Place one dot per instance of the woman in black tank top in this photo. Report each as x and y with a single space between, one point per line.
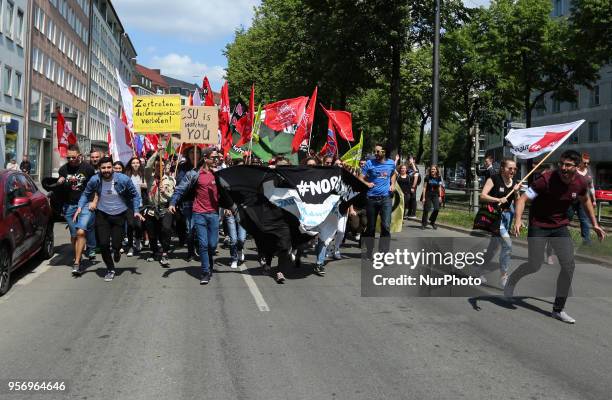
498 189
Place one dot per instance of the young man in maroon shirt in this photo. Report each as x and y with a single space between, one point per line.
551 195
205 210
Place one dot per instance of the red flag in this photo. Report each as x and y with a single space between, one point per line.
190 100
65 136
343 122
209 100
224 120
245 124
285 113
305 125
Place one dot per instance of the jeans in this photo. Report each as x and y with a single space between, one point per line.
85 221
504 240
564 249
110 227
187 211
207 230
320 251
237 236
378 205
340 232
585 224
432 200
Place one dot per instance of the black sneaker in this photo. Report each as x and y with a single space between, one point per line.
433 225
76 270
319 269
91 255
164 261
117 256
205 279
109 276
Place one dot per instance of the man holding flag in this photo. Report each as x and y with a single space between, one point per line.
550 195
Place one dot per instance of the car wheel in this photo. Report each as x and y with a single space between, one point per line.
47 249
5 270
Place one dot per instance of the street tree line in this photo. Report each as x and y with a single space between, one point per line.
374 58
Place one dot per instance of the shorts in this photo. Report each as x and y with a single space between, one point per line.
85 220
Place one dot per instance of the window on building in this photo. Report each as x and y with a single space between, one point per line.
19 27
47 110
7 79
41 62
594 96
35 59
7 25
17 86
557 8
593 132
35 106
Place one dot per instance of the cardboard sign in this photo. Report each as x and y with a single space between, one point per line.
200 125
157 114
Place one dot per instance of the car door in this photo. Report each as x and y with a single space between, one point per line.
38 210
15 219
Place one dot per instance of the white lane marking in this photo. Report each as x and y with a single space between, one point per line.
36 272
255 292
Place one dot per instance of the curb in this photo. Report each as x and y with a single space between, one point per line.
523 243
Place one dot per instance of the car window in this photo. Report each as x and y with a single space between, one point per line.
14 188
27 183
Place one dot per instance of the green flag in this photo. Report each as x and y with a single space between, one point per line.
353 155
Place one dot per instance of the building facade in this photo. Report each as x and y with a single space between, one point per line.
59 76
149 81
184 89
13 38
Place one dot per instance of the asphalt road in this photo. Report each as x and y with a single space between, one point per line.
155 333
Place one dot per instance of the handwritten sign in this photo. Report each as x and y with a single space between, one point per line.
200 125
157 114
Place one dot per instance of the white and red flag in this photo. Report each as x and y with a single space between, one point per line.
118 137
65 136
533 142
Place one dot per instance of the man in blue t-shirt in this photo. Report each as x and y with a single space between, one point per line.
380 176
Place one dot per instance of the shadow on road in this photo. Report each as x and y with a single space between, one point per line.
510 304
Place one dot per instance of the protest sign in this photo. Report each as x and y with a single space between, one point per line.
157 114
200 125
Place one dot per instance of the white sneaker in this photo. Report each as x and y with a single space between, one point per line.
130 252
550 260
234 265
503 280
358 237
292 253
337 255
241 257
563 316
483 279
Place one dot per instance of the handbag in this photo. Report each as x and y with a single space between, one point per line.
488 218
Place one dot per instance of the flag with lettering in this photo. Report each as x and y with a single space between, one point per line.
285 113
533 142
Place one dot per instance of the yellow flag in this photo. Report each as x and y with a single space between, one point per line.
353 155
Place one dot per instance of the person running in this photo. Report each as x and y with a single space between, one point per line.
551 195
432 192
577 207
117 196
158 221
496 190
205 210
135 171
73 177
379 175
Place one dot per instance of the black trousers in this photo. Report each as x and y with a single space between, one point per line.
432 200
561 243
134 228
109 227
412 204
159 228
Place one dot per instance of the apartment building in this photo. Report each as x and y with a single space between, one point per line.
13 31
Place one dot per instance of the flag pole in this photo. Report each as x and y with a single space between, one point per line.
530 172
177 164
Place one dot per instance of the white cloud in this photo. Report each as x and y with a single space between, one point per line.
184 68
189 19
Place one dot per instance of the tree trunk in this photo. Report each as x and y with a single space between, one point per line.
395 115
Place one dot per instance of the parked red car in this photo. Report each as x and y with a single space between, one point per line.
26 227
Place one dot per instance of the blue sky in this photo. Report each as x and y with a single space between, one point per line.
186 38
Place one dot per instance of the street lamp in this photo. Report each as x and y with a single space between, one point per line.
435 117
